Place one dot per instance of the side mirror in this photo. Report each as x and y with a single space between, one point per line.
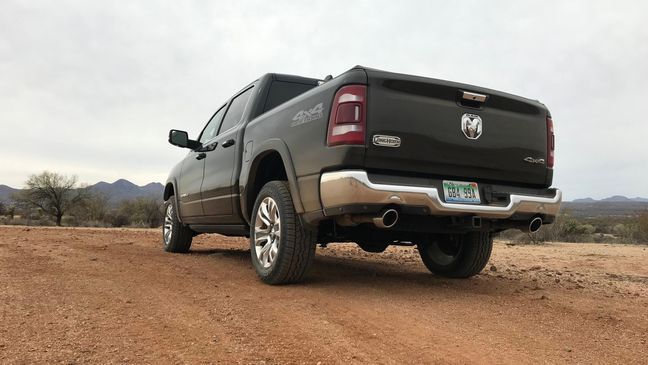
181 139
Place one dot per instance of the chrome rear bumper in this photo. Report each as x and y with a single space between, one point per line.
352 187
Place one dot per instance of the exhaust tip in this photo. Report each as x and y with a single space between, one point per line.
386 220
535 224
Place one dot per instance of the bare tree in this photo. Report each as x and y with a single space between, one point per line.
53 193
94 206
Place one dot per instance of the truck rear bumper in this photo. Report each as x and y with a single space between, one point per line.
353 187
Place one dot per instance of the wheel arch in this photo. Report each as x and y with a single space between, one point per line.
271 162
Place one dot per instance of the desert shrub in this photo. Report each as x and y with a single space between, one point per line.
623 232
17 221
43 221
117 219
642 227
69 220
96 224
633 229
140 212
565 228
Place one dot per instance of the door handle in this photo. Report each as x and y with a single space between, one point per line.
201 155
229 142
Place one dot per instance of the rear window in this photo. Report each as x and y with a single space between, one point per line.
281 92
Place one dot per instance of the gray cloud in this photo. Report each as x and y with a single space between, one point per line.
91 88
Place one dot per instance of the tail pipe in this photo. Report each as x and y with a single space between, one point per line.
534 225
387 219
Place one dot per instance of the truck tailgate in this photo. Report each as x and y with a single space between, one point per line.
426 115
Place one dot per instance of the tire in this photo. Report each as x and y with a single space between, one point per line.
176 237
281 247
457 256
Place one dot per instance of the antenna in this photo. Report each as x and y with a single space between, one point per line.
326 79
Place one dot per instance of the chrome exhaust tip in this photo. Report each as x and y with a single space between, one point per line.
386 220
535 224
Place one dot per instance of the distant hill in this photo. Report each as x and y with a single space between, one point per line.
125 190
117 191
585 200
6 192
612 199
614 206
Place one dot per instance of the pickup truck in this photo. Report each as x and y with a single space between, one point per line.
371 157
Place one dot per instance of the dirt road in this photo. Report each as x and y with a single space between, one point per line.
113 296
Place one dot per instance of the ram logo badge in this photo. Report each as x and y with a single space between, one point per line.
471 125
386 141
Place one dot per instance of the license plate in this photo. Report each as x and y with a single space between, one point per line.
461 192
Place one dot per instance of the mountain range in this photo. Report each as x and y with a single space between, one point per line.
117 191
612 199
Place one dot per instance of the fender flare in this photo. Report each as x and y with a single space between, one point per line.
175 196
269 146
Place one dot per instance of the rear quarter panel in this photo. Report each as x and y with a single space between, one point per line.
299 127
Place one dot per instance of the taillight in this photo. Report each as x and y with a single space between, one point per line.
348 116
551 143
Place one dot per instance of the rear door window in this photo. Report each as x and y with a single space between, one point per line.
235 111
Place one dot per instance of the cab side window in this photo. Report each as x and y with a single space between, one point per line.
235 111
211 129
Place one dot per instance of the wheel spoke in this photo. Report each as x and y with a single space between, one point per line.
263 214
259 238
266 247
267 233
273 251
261 231
265 254
167 231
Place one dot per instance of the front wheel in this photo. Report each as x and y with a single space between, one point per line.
176 237
281 247
457 256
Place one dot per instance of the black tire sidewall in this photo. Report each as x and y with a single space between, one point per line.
474 253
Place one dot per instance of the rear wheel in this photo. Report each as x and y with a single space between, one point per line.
281 247
176 237
373 246
457 256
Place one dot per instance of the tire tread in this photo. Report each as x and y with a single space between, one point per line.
298 242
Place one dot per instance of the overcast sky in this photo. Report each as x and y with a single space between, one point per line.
92 87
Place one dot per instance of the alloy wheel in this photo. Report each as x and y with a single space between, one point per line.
267 232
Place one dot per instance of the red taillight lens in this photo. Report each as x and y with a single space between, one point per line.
551 143
348 116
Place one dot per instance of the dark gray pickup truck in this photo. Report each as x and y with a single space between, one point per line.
371 157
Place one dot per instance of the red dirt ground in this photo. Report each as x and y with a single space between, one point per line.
76 295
